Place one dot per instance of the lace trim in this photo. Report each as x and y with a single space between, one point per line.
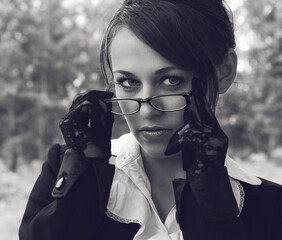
121 220
242 197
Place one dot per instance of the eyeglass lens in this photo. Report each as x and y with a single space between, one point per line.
161 103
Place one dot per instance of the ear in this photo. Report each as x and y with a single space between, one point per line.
227 71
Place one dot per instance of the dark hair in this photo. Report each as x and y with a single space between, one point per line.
192 34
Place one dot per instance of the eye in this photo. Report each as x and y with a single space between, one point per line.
127 83
172 81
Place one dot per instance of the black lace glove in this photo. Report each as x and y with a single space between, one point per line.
201 136
204 146
87 132
89 124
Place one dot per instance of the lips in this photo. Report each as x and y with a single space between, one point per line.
155 132
154 128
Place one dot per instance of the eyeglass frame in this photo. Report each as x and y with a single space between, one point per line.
187 97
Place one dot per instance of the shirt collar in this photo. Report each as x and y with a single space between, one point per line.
127 149
131 182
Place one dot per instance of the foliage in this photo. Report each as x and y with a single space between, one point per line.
47 46
49 53
253 107
31 125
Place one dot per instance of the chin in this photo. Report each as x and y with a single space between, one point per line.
154 147
158 152
154 150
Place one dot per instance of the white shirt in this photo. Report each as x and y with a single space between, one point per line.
130 197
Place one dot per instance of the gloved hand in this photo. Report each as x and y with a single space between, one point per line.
88 125
87 130
204 145
200 136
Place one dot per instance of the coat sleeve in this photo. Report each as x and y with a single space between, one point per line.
199 200
66 211
277 206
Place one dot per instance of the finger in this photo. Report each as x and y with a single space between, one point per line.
205 114
184 138
202 106
189 115
91 96
174 145
102 95
100 117
85 117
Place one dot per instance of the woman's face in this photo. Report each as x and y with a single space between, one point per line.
141 72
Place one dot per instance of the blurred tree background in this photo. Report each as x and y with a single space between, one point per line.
50 52
251 112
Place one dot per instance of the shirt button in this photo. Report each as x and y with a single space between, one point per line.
60 183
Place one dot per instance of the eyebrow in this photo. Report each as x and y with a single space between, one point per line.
124 73
167 69
158 72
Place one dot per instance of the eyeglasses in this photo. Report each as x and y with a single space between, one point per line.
163 103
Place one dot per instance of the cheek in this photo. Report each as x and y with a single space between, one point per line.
121 93
131 122
172 120
176 119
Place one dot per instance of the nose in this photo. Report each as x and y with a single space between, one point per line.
146 109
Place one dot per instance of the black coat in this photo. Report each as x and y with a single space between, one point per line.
77 213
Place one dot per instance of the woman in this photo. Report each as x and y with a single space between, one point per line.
170 177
